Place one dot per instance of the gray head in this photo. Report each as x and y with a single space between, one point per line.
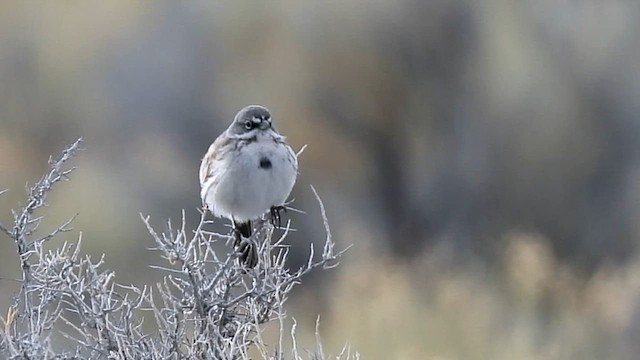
251 119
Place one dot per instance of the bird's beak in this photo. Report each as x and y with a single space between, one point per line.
265 124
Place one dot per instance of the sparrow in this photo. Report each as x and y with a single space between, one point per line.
249 170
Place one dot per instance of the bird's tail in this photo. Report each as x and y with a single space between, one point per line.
243 228
244 245
248 253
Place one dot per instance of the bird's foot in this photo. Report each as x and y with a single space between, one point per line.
276 218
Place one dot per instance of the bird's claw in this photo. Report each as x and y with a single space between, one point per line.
276 219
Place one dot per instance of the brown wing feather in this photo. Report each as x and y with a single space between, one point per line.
216 151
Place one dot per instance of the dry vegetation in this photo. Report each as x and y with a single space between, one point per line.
207 307
531 306
481 155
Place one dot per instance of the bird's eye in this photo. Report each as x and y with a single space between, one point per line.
248 124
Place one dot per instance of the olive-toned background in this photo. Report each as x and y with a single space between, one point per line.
481 156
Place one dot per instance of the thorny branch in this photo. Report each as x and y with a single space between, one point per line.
208 305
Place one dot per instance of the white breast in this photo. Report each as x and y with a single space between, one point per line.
245 191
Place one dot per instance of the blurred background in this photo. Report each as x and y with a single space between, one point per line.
481 156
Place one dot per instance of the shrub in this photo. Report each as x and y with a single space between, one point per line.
208 305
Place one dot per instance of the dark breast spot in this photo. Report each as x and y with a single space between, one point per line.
265 163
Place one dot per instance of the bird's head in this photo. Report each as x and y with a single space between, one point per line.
252 119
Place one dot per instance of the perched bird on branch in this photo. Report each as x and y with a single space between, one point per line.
249 170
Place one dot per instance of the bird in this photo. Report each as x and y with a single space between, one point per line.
248 170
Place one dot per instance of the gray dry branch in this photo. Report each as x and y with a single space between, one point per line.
207 307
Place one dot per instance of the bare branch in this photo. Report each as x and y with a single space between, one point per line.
208 305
